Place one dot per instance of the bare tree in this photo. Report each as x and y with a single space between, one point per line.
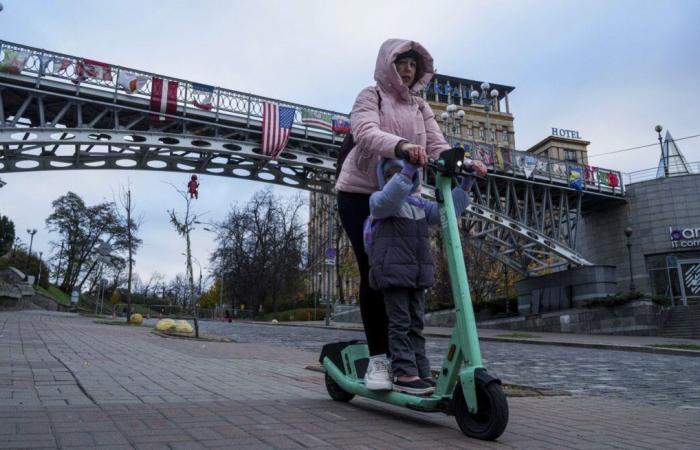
132 225
184 227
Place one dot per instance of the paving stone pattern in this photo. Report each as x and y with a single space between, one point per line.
66 382
654 379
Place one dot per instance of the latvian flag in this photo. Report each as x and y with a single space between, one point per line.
88 68
276 125
163 98
202 95
316 119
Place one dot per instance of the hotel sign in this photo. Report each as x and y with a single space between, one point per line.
684 237
561 132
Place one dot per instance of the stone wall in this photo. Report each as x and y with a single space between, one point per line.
652 207
639 318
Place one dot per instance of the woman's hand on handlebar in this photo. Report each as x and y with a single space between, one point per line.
413 152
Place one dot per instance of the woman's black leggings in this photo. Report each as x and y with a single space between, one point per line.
353 209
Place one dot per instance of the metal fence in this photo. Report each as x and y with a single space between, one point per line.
48 65
649 174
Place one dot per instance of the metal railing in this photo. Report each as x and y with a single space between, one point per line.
638 176
226 103
48 65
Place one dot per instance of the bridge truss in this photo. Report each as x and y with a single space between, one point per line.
50 122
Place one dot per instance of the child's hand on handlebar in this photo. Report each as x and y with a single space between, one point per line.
414 153
478 167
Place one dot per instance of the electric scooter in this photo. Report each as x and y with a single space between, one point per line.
463 386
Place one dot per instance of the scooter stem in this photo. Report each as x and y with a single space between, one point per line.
464 311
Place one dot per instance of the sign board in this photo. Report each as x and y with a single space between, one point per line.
74 297
684 237
330 256
561 132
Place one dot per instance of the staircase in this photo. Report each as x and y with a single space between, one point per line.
682 322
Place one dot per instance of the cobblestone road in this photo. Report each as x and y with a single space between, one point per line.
67 382
641 377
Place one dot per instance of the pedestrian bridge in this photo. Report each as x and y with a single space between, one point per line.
62 112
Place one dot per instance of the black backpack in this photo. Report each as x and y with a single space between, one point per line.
349 142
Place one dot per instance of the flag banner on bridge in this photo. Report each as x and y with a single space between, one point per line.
88 68
14 61
589 174
576 177
59 67
131 82
558 169
163 98
276 125
202 96
341 124
317 119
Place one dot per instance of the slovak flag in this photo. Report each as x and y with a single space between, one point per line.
276 125
202 95
163 98
89 68
341 124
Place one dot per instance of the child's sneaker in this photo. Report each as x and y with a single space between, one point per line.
416 387
377 376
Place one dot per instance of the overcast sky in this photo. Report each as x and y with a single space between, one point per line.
609 69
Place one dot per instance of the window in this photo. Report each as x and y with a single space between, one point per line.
570 155
481 134
470 131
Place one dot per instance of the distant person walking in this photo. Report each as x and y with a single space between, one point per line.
388 120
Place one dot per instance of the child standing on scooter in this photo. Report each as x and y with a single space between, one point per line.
401 263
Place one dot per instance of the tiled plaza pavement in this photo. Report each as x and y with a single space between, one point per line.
67 382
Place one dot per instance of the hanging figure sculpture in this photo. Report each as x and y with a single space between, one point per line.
193 187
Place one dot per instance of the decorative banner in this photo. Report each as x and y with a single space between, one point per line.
484 152
341 124
14 61
527 163
499 159
131 82
88 68
541 166
613 180
276 126
507 156
603 178
202 96
317 119
558 169
590 174
163 98
576 177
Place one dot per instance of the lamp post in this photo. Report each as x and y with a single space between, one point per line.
31 232
664 154
317 297
628 233
485 98
38 277
452 120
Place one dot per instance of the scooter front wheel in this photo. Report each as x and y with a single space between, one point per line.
336 392
491 418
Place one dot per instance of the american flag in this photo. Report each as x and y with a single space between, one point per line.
277 122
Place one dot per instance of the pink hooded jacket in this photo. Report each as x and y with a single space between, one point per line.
402 117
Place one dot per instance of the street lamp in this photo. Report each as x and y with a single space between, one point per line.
31 232
628 233
452 120
317 298
664 154
485 98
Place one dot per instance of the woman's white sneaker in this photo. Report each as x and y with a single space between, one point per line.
377 377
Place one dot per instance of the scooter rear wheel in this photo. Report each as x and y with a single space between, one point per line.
491 418
336 392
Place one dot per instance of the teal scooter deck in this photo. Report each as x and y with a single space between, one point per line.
464 388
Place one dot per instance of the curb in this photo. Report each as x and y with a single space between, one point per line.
623 348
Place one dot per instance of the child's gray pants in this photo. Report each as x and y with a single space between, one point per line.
405 309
